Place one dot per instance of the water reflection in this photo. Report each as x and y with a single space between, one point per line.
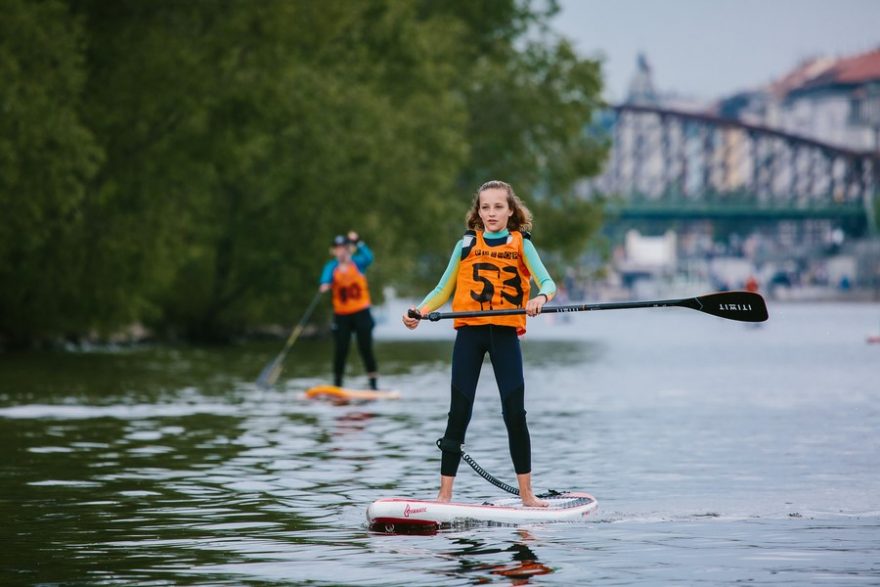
352 422
519 571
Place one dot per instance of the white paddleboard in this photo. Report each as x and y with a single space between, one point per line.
398 513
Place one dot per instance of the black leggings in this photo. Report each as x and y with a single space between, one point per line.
361 323
471 345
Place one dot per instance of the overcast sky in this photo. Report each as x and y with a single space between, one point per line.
709 48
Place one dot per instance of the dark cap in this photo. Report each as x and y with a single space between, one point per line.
340 240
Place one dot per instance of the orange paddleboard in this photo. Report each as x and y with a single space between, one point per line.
332 392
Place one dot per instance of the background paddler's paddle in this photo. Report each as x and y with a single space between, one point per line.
269 374
743 306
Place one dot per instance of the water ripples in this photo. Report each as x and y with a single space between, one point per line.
706 472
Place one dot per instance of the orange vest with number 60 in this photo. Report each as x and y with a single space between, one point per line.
493 278
350 293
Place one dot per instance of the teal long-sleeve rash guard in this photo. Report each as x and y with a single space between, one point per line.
446 286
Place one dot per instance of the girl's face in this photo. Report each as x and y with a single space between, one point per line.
494 209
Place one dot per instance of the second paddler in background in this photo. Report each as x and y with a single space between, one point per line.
345 276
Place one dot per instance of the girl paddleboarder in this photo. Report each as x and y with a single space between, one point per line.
491 268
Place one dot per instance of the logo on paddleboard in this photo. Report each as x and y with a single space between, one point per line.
408 510
735 307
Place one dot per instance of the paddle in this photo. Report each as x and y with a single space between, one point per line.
743 306
269 374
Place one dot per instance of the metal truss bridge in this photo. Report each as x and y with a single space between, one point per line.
667 164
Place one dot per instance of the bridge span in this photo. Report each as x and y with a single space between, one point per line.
667 164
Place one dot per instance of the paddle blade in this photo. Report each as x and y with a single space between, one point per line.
743 306
269 374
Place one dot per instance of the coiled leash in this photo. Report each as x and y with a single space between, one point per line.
454 447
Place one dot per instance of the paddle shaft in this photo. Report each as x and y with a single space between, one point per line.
732 305
434 316
269 374
302 323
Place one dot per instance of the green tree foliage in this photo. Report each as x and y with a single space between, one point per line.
186 163
528 109
47 156
528 105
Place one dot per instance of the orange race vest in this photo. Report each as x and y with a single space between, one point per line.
493 278
350 292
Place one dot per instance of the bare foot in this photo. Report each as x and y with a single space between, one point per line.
444 498
526 493
534 502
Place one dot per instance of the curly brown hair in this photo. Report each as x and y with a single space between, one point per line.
521 219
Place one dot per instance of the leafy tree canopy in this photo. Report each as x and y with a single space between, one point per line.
185 164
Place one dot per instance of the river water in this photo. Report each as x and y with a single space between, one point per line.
719 453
